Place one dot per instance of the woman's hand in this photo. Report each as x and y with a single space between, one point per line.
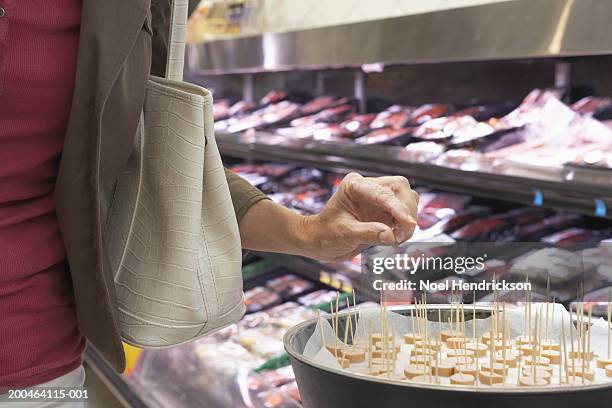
363 212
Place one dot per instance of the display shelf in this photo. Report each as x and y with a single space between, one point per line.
115 382
323 273
585 198
510 30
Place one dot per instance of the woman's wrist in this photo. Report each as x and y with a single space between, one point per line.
305 230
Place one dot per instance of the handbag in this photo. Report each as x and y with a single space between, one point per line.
171 234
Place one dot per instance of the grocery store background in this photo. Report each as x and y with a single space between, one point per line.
506 143
257 16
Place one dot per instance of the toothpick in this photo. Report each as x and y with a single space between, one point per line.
564 346
504 329
571 329
609 322
337 328
370 349
518 373
533 347
588 350
474 318
440 324
347 323
463 321
320 320
546 332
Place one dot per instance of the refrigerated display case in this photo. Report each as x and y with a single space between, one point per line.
441 98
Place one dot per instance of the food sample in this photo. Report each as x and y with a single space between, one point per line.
501 360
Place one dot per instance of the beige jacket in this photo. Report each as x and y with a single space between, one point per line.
121 43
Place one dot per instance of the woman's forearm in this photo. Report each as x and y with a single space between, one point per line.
363 212
270 227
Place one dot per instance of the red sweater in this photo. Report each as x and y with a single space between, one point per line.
39 338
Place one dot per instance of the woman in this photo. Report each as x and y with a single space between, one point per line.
72 86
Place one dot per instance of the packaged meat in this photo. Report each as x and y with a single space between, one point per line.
320 297
260 298
221 109
385 136
357 125
289 285
422 151
272 97
482 230
322 102
591 105
242 107
549 225
570 236
428 112
335 114
463 217
396 117
562 266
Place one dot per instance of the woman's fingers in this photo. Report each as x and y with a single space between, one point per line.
393 196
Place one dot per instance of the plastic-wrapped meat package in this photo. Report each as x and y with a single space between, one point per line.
292 391
396 117
428 112
328 132
463 217
570 237
270 115
272 97
547 226
509 139
358 125
446 202
493 267
289 285
591 105
260 298
462 159
320 297
335 114
439 208
242 107
525 215
529 109
497 226
600 258
561 265
252 121
289 314
276 398
460 128
332 115
385 136
482 230
471 132
301 177
275 170
221 109
280 112
422 151
322 102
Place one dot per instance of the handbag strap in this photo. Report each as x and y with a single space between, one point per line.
176 41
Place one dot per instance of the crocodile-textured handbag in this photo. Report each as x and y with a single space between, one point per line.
172 234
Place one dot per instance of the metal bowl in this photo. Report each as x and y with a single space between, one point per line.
323 387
